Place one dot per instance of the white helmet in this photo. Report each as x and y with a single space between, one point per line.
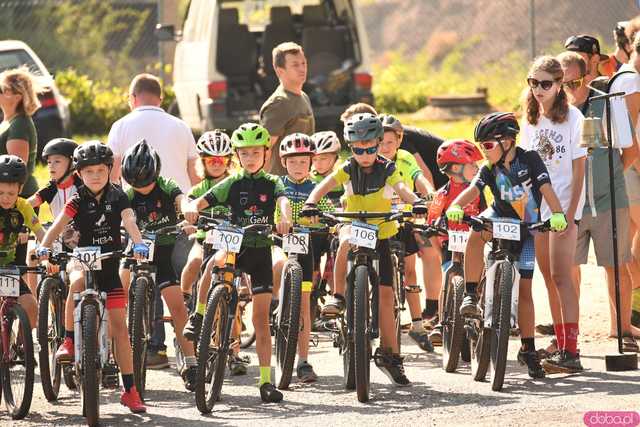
326 142
214 143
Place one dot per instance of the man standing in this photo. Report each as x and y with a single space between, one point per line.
288 109
169 136
588 48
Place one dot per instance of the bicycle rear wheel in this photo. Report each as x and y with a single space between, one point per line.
213 348
50 335
501 323
90 365
479 342
288 322
361 324
452 324
17 374
140 331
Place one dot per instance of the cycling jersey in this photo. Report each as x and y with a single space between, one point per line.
370 192
56 195
201 189
251 199
11 223
516 192
409 171
298 193
156 209
335 194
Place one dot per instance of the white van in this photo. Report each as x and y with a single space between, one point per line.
223 69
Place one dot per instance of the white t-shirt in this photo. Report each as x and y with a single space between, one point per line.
630 84
168 135
558 145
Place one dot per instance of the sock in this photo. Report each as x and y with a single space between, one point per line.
69 334
528 344
470 287
635 299
338 296
190 361
127 381
265 375
560 337
571 337
200 307
416 324
431 307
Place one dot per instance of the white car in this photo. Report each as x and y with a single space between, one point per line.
52 118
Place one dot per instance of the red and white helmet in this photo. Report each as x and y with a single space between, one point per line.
457 151
296 144
326 142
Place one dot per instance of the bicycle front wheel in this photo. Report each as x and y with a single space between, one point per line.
288 322
452 325
140 331
213 348
90 365
17 371
361 324
501 323
479 342
50 335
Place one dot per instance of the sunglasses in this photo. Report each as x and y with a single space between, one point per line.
488 145
215 161
574 84
360 151
544 84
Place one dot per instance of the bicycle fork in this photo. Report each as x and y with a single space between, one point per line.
90 296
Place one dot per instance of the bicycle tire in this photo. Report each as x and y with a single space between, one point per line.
348 362
68 377
361 342
288 322
397 299
480 342
453 325
18 406
140 331
502 324
89 389
50 336
212 361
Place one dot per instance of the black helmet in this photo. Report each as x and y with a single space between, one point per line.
62 146
496 126
362 127
390 122
140 165
12 169
92 153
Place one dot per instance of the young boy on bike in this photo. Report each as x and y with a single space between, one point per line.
369 181
97 211
414 180
154 200
15 214
296 152
518 180
324 161
252 196
457 160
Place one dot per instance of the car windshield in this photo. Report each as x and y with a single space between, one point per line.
17 58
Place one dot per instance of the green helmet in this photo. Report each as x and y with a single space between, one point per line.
250 135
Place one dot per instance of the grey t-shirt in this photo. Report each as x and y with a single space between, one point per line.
597 185
282 114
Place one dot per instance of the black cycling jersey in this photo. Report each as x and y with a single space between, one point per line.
251 198
426 144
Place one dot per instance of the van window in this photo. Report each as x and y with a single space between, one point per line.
256 14
17 58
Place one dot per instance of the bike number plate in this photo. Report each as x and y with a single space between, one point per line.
296 243
507 229
9 282
150 241
458 240
89 255
56 246
225 238
364 235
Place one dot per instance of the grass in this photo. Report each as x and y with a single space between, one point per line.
455 129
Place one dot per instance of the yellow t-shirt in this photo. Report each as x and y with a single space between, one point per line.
11 222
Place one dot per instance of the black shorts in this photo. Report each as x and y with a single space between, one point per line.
306 261
405 235
385 270
257 262
320 243
165 274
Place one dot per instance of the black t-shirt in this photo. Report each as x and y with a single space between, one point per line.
426 144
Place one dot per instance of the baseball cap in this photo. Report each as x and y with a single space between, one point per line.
586 44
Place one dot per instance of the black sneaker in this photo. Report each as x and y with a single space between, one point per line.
306 374
436 335
531 359
422 339
563 362
545 329
188 375
191 330
635 318
270 394
469 307
391 365
237 365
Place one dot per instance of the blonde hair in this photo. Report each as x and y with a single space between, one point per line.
357 108
22 82
560 108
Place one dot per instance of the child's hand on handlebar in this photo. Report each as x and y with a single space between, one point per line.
140 251
455 213
310 212
191 213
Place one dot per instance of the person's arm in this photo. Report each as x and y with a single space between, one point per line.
633 107
56 228
577 182
629 156
405 194
20 148
322 189
116 172
425 170
284 224
423 185
39 234
467 196
192 171
129 224
551 198
34 201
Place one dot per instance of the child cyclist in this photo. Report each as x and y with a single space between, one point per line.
97 211
324 161
252 196
456 159
518 180
412 176
369 181
154 200
296 152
